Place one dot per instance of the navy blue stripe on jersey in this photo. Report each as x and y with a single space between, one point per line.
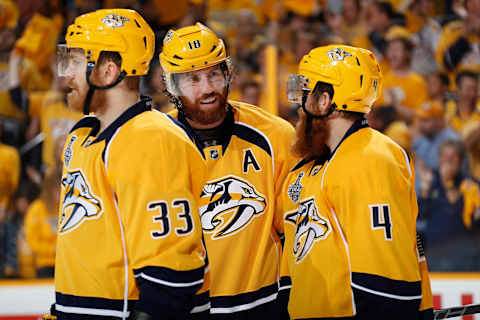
172 296
248 134
171 278
77 316
244 298
388 286
201 303
301 163
87 122
188 131
68 300
285 282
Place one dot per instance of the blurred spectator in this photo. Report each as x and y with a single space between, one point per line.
425 33
9 176
438 85
472 142
431 133
458 46
403 88
464 111
41 225
352 20
448 202
155 87
251 93
379 118
47 110
380 17
19 256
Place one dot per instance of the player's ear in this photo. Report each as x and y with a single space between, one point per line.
324 101
109 71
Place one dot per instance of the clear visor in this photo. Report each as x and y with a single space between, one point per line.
198 83
296 85
69 60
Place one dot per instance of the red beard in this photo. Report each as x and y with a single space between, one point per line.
311 144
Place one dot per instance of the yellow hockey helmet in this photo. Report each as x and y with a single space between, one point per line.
189 49
353 72
118 30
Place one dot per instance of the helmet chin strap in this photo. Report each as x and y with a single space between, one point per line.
92 87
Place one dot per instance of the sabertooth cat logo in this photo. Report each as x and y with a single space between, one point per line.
310 227
232 205
338 54
78 203
114 20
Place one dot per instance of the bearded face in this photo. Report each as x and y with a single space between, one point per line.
203 94
311 140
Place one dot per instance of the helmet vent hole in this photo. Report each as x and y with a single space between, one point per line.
144 39
71 33
78 33
177 57
219 53
138 25
358 62
134 71
361 80
173 64
213 48
344 106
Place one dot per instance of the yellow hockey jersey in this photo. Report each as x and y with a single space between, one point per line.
128 234
350 225
237 208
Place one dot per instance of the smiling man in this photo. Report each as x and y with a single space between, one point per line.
129 239
247 154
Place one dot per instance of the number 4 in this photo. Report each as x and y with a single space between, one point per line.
380 215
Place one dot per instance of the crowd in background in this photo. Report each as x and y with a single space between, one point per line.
430 58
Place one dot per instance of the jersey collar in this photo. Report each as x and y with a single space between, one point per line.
145 104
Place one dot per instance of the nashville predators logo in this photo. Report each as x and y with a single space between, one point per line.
78 202
114 20
231 205
310 227
338 54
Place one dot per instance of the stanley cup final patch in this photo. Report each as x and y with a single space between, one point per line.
295 188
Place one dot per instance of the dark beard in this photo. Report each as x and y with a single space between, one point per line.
311 144
206 117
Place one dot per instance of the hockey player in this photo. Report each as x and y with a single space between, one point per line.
247 154
129 239
350 205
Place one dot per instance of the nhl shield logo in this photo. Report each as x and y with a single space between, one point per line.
295 189
214 154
